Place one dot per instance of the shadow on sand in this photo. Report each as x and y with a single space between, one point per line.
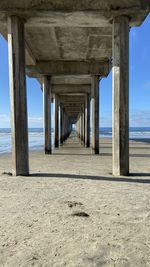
98 178
105 154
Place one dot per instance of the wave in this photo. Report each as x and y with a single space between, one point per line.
36 137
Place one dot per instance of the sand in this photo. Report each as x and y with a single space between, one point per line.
72 212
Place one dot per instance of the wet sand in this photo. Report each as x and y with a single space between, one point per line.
71 212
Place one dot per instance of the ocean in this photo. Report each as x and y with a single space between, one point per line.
36 137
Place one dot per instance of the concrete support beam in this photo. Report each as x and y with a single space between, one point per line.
87 121
56 122
69 19
71 99
83 124
16 53
65 126
71 79
101 68
78 127
79 134
61 124
47 114
95 114
121 96
99 16
58 89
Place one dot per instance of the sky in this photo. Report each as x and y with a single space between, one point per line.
139 89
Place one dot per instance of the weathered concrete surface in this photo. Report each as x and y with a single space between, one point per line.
75 67
16 46
70 80
71 38
56 115
87 120
121 96
51 27
47 114
95 114
74 88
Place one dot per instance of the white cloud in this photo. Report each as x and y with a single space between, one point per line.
140 118
4 121
4 116
105 121
36 122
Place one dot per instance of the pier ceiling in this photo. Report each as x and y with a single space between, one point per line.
107 8
69 30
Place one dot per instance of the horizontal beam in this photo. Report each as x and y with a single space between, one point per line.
81 79
71 99
90 18
73 113
71 19
101 68
57 89
71 105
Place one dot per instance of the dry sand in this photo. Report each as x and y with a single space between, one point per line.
72 212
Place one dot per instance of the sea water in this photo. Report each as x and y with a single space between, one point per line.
36 137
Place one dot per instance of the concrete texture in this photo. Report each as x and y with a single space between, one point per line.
72 41
47 114
120 96
19 124
70 30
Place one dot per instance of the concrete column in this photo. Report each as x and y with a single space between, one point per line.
79 132
18 99
61 124
47 114
65 127
78 127
81 125
95 114
56 122
120 96
87 121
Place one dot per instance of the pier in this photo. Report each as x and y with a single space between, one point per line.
70 47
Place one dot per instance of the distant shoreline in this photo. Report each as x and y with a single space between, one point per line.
40 148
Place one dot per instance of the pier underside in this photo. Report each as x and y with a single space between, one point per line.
69 46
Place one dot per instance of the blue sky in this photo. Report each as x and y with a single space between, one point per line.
139 85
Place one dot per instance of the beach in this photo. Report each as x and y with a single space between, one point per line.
72 212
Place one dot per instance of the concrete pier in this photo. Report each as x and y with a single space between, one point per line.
61 125
121 96
87 121
18 98
56 121
47 114
95 114
75 44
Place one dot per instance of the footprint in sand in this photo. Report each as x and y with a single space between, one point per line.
72 204
80 214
